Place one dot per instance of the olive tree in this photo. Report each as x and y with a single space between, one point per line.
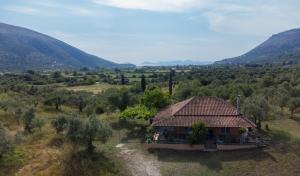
60 124
85 131
56 99
30 121
256 108
293 105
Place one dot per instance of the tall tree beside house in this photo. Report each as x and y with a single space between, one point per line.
293 105
256 108
143 83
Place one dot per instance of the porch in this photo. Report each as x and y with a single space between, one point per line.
217 139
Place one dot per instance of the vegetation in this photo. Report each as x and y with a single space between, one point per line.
44 104
199 133
6 141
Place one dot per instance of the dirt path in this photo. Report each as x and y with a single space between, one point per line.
137 163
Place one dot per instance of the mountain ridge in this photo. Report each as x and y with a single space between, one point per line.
22 48
280 48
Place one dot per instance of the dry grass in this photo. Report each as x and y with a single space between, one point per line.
95 89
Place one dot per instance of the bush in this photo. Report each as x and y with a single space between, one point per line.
6 141
199 132
155 99
242 130
137 112
60 124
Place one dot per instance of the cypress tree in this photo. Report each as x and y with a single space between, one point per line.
143 83
170 83
122 79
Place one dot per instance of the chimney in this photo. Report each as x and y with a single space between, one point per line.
238 105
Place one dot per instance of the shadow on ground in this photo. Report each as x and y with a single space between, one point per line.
83 163
213 160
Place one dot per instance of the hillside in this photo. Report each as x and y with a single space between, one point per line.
278 49
22 49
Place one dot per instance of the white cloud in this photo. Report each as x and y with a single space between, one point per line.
250 19
154 5
21 9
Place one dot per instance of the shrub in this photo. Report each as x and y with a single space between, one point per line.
137 112
60 124
6 141
242 130
199 132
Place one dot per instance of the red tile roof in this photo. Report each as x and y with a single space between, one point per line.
213 111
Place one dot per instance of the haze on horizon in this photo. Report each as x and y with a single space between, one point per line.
136 31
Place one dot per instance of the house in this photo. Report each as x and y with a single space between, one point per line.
223 120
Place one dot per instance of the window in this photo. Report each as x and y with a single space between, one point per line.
225 130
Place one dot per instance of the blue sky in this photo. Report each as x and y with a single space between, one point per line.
156 30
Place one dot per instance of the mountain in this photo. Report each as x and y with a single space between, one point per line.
175 63
278 49
22 49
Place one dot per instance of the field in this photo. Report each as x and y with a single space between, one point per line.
46 153
95 89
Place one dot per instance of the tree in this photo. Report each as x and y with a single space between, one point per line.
56 99
118 98
138 112
60 124
85 131
143 83
79 99
293 104
155 98
94 129
28 120
171 82
123 79
18 115
256 108
199 132
6 141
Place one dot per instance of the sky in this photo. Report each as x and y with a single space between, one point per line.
137 31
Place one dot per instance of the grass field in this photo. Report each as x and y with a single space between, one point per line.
46 153
96 88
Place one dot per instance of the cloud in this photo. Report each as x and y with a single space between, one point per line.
71 9
154 5
253 20
21 9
